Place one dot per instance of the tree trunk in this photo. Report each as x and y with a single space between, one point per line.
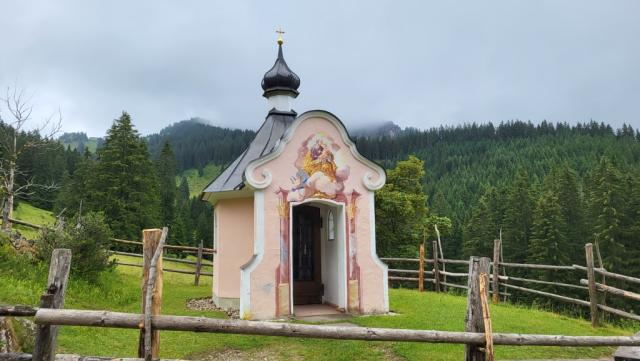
7 211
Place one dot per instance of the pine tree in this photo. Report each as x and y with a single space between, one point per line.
125 186
76 189
633 225
484 225
606 212
548 243
518 218
166 166
565 184
182 225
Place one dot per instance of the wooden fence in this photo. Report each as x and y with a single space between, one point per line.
478 336
199 251
587 284
199 263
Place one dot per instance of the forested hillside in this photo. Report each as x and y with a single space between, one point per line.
80 141
516 176
196 144
545 189
542 186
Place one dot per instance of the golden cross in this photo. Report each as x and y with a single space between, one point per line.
280 32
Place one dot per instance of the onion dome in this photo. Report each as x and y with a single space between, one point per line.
280 80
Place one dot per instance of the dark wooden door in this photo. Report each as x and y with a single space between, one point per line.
307 273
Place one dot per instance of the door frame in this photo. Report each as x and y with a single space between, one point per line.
341 236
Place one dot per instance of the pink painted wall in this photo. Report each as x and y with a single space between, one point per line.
234 244
282 168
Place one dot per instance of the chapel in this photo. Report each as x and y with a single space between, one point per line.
294 220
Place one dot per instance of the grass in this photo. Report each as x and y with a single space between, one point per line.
28 213
196 181
22 282
91 144
120 291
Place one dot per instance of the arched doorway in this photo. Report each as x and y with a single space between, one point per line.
318 254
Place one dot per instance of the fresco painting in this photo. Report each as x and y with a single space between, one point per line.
321 170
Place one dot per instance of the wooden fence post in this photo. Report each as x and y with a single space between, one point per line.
46 336
441 255
421 270
496 268
436 271
473 320
198 265
486 316
593 293
151 240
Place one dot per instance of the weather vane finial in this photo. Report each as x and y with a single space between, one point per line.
280 32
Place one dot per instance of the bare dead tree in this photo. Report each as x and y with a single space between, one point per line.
19 109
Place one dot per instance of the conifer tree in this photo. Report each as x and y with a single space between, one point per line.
182 223
632 228
548 243
518 218
484 225
125 186
76 189
565 184
166 166
606 206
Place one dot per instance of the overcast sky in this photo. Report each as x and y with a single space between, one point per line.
416 63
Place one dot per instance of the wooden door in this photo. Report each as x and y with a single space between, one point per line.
307 273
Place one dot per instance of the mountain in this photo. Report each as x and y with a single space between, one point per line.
196 144
384 129
80 141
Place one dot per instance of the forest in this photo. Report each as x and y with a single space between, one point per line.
546 188
540 185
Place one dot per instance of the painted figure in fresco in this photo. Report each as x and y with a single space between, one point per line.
321 169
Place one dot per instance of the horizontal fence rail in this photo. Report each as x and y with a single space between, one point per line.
537 266
610 274
24 223
118 240
209 274
168 246
172 259
613 290
18 311
65 357
203 324
558 284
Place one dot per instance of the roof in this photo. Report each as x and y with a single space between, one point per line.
273 128
280 79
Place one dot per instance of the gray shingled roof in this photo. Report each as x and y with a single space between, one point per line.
268 135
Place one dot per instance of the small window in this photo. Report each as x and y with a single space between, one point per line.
331 226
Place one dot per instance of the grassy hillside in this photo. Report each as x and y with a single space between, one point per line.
91 144
31 214
196 181
120 291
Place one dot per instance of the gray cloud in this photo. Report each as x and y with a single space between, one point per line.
417 63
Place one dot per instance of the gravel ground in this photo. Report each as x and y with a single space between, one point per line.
206 304
237 355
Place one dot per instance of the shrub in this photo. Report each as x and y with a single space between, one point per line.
88 241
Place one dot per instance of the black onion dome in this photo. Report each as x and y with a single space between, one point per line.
280 79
